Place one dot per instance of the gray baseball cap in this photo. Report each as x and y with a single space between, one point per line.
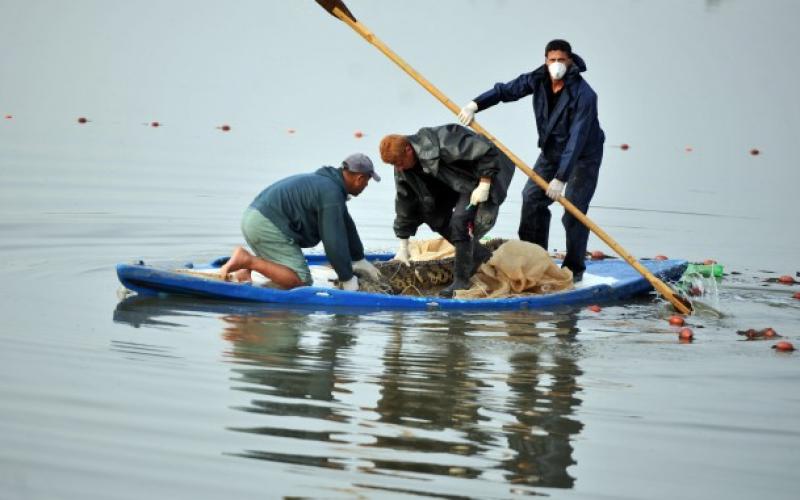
360 163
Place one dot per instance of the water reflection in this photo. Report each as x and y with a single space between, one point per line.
403 395
292 379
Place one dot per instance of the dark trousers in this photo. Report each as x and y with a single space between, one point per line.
455 228
534 224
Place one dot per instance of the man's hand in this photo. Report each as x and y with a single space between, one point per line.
402 252
480 193
554 189
350 285
468 113
367 268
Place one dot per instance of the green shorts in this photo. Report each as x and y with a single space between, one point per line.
270 243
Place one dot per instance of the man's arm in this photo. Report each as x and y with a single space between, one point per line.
337 249
506 92
353 239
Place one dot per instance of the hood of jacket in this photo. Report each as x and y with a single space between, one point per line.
335 174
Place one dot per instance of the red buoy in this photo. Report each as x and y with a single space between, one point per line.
598 255
686 334
358 134
290 131
225 128
660 257
595 308
689 149
786 279
769 332
8 117
783 346
676 320
624 146
796 295
755 152
83 120
155 124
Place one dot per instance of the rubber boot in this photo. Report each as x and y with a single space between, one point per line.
461 269
480 254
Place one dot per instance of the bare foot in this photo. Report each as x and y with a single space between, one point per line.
242 276
240 259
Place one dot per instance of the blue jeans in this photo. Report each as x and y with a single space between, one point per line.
534 224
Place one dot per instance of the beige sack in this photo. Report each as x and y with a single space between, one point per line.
517 268
435 249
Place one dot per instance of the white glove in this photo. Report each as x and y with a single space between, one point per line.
480 193
350 285
402 252
468 113
367 268
554 189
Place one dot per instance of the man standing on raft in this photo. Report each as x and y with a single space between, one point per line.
451 179
570 139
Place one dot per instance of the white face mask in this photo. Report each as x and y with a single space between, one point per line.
557 70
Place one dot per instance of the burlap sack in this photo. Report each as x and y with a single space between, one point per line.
517 268
435 249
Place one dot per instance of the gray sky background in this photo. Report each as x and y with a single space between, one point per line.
718 76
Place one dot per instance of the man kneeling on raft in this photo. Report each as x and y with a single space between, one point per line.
298 212
449 178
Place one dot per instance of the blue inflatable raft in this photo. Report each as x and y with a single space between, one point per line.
604 280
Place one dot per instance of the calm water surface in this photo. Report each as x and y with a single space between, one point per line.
138 398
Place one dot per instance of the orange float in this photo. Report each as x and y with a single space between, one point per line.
598 255
676 320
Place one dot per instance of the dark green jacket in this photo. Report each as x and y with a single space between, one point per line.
451 161
309 208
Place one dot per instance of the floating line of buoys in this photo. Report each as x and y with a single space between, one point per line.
358 134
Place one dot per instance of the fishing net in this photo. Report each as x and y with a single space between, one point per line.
515 268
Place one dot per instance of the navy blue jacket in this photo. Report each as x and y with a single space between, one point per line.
309 208
572 131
